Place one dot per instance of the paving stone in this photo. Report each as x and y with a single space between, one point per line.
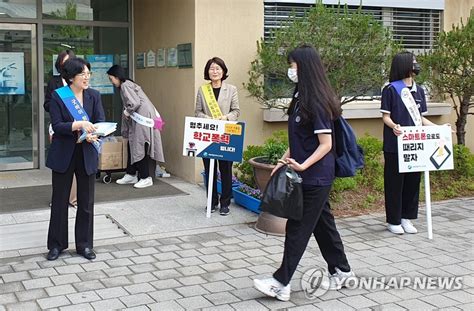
167 274
124 254
415 304
240 282
83 297
459 295
192 270
65 279
166 256
249 305
69 269
116 281
94 266
53 302
27 305
37 283
136 300
221 298
240 273
382 297
120 262
25 266
143 259
192 290
147 250
127 246
88 285
440 301
139 288
113 292
166 305
118 271
191 280
190 261
7 298
16 276
219 308
109 304
92 275
196 302
164 284
248 293
239 263
358 302
216 287
214 267
60 290
32 294
168 248
164 295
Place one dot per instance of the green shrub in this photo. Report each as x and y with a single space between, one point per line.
244 169
463 161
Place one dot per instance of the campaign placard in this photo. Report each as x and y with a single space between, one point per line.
425 148
213 139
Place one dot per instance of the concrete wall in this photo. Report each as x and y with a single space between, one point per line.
164 24
455 10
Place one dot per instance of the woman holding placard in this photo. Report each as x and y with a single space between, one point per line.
218 100
403 104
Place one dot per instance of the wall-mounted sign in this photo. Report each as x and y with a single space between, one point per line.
99 66
172 60
185 55
160 58
12 73
425 148
150 58
140 61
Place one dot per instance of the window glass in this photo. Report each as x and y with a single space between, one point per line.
18 8
89 10
101 46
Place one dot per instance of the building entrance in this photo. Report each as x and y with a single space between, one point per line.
18 97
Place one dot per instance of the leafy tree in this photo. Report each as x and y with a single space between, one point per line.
450 72
355 48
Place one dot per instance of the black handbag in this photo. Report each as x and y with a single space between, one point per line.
283 196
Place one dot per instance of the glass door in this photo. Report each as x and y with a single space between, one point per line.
18 97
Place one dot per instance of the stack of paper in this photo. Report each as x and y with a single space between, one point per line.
102 129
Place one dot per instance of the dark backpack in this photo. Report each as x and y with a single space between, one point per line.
349 155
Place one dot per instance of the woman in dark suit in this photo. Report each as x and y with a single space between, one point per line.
226 104
67 157
55 83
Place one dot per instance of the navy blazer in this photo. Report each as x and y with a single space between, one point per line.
64 139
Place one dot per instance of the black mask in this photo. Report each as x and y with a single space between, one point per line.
416 68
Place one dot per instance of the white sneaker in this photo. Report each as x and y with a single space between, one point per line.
273 288
143 183
408 226
397 229
338 279
127 179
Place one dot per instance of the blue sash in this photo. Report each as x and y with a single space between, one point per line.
76 110
408 101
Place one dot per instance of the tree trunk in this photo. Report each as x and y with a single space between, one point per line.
462 119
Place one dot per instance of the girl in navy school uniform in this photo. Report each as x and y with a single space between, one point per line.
310 125
401 189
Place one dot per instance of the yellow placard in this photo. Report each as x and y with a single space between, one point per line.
233 129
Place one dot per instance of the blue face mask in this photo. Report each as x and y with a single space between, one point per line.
293 74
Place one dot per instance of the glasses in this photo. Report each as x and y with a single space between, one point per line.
85 74
215 69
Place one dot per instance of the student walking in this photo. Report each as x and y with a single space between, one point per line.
310 126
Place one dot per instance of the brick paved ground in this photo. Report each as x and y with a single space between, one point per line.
212 269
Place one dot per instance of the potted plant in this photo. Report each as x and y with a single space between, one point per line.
272 150
247 197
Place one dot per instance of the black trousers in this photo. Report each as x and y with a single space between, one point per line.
143 167
225 169
58 224
319 221
402 191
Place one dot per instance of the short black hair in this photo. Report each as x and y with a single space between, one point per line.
73 67
118 72
402 66
217 61
58 64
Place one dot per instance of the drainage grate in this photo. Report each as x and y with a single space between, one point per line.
34 234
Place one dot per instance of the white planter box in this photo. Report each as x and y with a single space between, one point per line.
274 115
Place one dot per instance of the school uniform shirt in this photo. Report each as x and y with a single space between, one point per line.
392 104
303 141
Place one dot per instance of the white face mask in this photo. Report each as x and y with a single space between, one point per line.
293 74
